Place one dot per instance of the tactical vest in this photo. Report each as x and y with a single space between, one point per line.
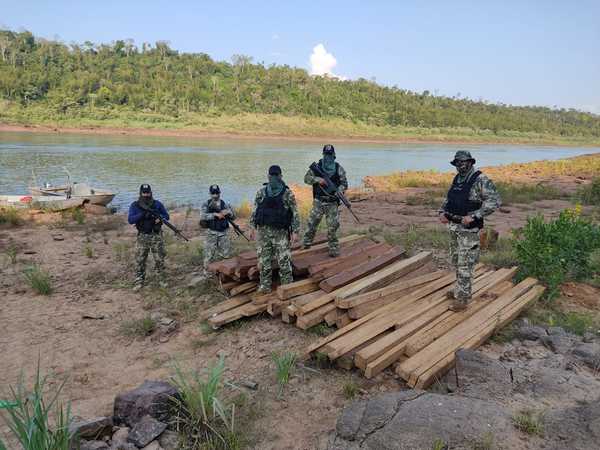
217 224
319 192
458 199
146 225
272 212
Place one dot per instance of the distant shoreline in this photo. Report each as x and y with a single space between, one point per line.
192 133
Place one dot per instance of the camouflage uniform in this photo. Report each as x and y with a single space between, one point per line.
143 245
273 242
464 242
329 209
217 245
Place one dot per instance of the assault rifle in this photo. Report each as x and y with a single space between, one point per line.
331 187
237 228
454 218
165 222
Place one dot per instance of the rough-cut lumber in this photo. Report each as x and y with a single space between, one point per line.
263 299
424 291
297 288
275 308
356 248
307 298
226 266
399 286
286 317
331 317
359 255
253 273
315 248
314 317
361 270
386 275
342 320
228 285
452 340
242 288
504 317
251 254
225 305
232 315
301 264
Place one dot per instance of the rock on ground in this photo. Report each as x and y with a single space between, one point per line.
153 398
145 431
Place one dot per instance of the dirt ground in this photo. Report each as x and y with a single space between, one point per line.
80 330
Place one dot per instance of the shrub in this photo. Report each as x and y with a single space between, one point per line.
558 250
88 251
201 418
243 210
35 418
78 216
38 279
10 216
526 193
590 194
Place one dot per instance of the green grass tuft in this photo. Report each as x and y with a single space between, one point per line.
350 389
88 251
10 215
78 216
502 254
321 329
284 367
419 237
141 327
529 422
38 279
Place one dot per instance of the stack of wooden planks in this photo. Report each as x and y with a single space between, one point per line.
389 309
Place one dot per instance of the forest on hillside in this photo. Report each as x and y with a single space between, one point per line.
78 79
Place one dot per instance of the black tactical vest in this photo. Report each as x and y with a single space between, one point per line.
319 192
458 199
217 224
146 225
272 212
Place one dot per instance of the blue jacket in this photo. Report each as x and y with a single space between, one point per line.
136 213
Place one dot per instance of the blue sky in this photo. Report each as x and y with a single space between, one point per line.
517 52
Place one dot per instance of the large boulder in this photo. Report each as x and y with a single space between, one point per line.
152 398
414 420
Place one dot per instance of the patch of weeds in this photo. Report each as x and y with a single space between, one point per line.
10 215
590 193
88 251
430 199
78 216
122 251
37 419
487 442
141 327
243 210
571 321
322 360
202 418
11 253
321 329
419 237
201 341
501 254
285 364
511 193
38 279
530 422
506 334
350 389
558 250
439 444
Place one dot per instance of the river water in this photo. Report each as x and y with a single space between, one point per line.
181 169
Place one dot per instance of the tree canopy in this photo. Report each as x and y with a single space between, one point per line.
156 78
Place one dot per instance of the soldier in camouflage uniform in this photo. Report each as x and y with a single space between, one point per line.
325 203
472 196
214 217
275 217
150 237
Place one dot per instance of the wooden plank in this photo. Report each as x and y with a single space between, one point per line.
307 298
331 317
362 270
438 349
337 265
396 287
342 320
244 287
505 316
314 317
297 288
253 273
251 254
378 348
263 299
316 248
228 285
424 291
386 275
353 250
225 305
276 307
286 317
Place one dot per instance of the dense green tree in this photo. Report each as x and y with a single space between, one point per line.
78 78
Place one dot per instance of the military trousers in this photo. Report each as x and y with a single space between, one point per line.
217 246
273 244
145 244
331 212
464 253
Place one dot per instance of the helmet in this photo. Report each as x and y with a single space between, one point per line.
214 189
462 155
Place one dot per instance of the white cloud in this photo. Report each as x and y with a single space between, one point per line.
322 62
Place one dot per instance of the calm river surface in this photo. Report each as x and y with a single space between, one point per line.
181 169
